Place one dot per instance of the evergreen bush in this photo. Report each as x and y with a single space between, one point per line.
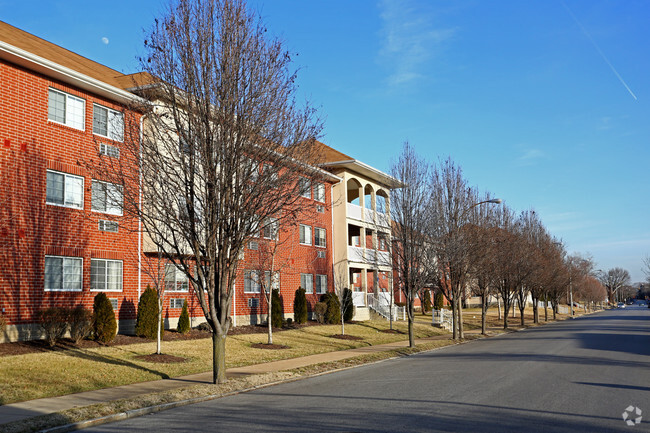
147 320
438 300
300 314
104 323
81 323
348 314
426 303
277 313
184 321
333 313
54 322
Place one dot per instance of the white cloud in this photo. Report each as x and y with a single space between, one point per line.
410 40
530 157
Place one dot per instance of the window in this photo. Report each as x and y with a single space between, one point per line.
64 189
113 302
305 234
175 279
382 243
272 174
305 187
176 302
321 283
319 192
109 150
108 123
66 109
307 282
271 228
251 282
107 226
253 168
321 254
106 275
107 197
320 237
63 273
275 284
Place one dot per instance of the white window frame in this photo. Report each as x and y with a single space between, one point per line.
305 187
319 192
305 234
63 288
272 225
66 186
69 118
105 226
111 132
174 303
321 284
180 282
320 242
273 284
105 263
112 209
252 282
109 150
307 283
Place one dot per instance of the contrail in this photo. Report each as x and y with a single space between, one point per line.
599 51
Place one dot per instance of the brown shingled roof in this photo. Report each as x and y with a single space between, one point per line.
54 53
329 154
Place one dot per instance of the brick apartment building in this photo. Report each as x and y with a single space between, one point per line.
62 241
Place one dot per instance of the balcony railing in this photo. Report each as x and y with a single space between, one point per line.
354 211
368 255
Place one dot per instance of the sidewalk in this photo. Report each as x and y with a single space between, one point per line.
28 409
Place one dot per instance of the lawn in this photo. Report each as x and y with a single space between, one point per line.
52 373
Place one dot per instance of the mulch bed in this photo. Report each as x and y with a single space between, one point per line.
36 346
392 331
161 358
346 337
269 346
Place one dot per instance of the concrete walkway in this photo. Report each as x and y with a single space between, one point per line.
27 409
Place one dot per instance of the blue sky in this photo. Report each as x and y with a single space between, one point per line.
544 103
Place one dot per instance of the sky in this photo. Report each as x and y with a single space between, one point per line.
543 103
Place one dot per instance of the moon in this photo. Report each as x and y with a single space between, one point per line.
105 40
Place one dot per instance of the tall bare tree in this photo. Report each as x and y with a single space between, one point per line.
411 214
614 279
223 146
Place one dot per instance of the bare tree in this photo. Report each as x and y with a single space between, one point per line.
223 146
340 289
411 215
646 267
613 280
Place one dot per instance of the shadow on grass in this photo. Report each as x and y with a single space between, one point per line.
112 360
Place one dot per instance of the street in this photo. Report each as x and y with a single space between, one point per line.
576 375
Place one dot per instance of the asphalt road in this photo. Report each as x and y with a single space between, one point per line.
576 375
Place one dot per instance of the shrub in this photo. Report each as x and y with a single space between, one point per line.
289 322
300 313
438 301
81 323
348 314
184 321
319 311
104 323
276 309
426 303
54 322
147 320
3 323
333 313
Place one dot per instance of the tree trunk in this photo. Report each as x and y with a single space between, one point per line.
218 358
461 332
546 311
535 311
483 314
343 323
454 319
159 325
522 308
506 310
499 306
410 314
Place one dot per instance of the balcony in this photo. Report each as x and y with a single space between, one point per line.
369 256
354 212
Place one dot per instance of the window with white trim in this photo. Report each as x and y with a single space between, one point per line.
106 275
319 192
66 109
114 303
305 187
109 150
251 282
64 189
176 302
321 254
273 284
320 237
307 282
108 226
271 227
106 197
176 279
305 234
321 284
108 123
63 273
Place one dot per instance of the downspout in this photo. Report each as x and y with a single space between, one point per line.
139 209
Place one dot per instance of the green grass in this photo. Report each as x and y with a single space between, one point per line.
47 374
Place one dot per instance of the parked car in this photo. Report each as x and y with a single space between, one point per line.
620 305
